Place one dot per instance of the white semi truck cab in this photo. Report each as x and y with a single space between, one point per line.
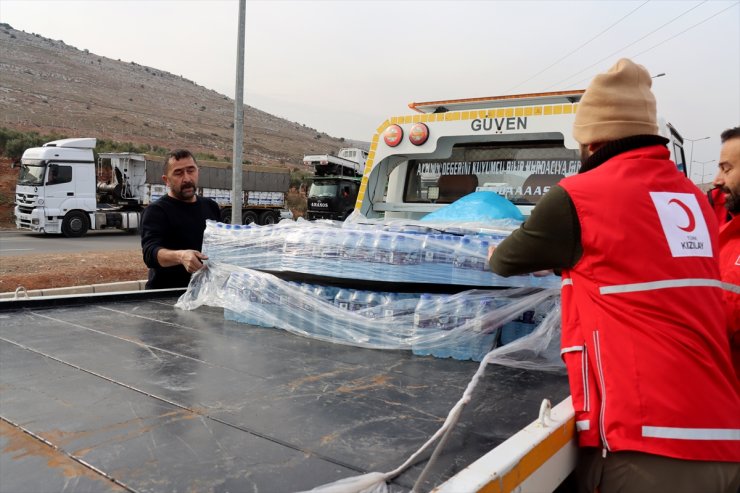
56 192
518 146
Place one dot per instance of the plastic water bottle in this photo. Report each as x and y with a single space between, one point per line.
429 267
324 310
286 297
305 312
348 253
359 324
292 249
423 324
462 259
374 300
438 251
348 244
404 255
484 337
444 322
271 244
404 250
224 251
373 313
399 312
364 249
340 328
237 293
382 248
313 263
341 300
330 245
358 300
484 268
464 313
386 318
255 248
470 261
254 310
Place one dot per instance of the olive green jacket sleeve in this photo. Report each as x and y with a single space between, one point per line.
549 239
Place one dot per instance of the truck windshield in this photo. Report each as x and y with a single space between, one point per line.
323 190
32 172
520 171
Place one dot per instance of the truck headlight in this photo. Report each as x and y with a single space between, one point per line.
35 220
41 201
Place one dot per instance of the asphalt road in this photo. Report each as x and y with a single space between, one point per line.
24 243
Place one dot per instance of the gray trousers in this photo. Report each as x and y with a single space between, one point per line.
637 472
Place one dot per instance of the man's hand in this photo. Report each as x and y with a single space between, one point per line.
192 260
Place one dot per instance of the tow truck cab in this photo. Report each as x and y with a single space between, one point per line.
518 146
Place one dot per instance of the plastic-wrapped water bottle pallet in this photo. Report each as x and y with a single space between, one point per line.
367 255
445 326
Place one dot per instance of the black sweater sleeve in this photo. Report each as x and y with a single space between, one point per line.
153 229
549 239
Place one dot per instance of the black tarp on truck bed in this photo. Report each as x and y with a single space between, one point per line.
131 394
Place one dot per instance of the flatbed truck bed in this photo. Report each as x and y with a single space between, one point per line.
124 392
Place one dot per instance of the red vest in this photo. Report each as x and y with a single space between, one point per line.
729 266
644 335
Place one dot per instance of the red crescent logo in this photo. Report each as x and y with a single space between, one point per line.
692 222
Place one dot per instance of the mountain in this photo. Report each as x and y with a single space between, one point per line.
49 86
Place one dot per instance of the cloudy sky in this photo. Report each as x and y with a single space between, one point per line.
345 66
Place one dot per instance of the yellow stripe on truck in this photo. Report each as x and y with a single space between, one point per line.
533 460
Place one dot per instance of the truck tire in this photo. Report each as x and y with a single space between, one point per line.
226 215
249 217
75 224
268 217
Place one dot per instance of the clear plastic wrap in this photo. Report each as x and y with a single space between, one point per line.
516 327
464 326
468 325
391 251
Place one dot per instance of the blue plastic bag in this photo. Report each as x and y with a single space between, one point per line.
476 207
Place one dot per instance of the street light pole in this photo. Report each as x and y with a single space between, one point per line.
238 150
702 168
691 160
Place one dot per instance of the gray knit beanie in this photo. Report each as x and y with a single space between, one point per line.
617 104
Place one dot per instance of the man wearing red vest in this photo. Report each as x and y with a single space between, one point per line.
727 189
644 333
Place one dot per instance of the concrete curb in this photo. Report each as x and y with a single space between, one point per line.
111 287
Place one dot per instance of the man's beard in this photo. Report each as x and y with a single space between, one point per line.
186 192
732 201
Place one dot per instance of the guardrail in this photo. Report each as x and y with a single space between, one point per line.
111 287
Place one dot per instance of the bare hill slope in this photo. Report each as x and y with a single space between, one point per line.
49 86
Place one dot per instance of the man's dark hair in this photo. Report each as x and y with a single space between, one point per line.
177 154
730 133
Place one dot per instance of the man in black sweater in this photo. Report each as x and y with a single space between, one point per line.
172 227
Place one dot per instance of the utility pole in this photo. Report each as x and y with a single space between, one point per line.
691 160
236 161
702 169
